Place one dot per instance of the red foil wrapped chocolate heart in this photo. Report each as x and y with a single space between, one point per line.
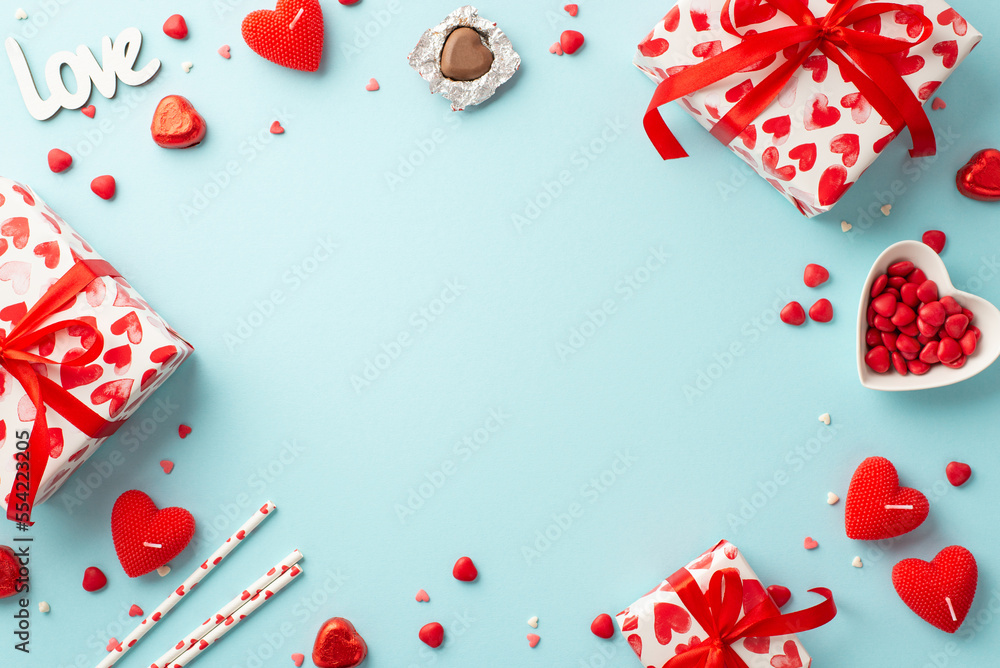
176 124
339 645
980 177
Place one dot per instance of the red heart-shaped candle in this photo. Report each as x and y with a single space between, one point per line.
290 35
176 124
877 507
980 177
939 591
339 645
145 536
9 572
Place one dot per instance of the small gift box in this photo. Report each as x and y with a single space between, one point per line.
807 93
80 350
715 613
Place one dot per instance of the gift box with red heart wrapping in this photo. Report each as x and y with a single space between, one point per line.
820 134
92 349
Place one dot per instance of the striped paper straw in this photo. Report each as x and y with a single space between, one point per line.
199 574
227 625
228 609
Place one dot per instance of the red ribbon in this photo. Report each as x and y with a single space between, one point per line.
718 612
862 58
45 393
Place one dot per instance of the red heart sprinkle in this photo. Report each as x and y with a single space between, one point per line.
572 10
465 570
938 104
104 186
89 111
533 639
175 27
571 41
166 465
277 129
290 35
602 626
94 579
958 473
422 597
183 430
135 611
432 634
59 160
809 543
940 591
297 658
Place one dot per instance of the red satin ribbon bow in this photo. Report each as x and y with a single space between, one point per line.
43 392
718 612
862 58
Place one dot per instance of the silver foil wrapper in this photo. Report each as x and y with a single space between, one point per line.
426 59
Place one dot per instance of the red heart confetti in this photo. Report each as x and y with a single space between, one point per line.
59 160
431 634
166 465
602 626
135 611
291 35
958 473
809 543
277 129
175 27
338 645
94 579
940 591
877 507
104 186
533 640
980 177
183 430
422 597
572 10
938 104
136 523
89 111
465 570
298 659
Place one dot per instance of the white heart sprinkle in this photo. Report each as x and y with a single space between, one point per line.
186 66
825 418
162 571
886 209
857 562
832 498
845 226
20 14
533 622
43 606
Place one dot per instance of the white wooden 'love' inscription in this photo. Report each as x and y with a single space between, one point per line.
117 64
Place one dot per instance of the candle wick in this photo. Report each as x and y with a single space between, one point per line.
950 609
899 507
157 546
291 26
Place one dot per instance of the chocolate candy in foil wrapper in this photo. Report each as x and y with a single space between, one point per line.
465 58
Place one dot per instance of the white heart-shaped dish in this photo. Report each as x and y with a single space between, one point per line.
987 318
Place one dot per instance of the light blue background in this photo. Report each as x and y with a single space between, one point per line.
356 455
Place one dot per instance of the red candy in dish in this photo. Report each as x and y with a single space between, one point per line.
913 323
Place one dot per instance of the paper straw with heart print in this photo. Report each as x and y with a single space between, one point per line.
199 632
199 574
226 626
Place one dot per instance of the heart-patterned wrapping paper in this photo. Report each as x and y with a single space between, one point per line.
817 138
658 627
140 350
